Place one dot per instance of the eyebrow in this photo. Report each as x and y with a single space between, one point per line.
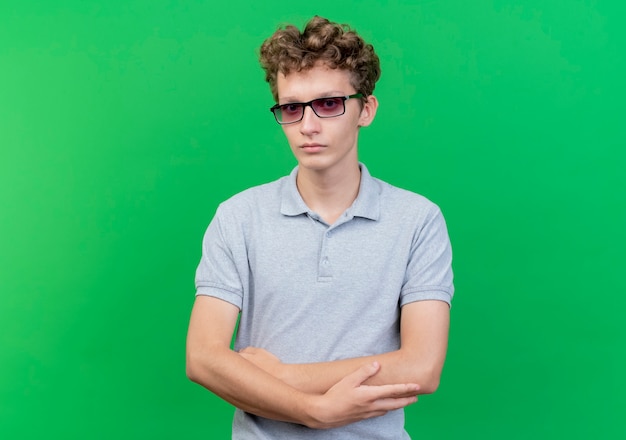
292 100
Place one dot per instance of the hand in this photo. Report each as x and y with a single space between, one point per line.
263 359
350 401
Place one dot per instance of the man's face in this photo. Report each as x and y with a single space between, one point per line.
324 144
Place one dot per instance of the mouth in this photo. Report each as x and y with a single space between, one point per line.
312 148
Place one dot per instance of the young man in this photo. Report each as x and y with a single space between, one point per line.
342 282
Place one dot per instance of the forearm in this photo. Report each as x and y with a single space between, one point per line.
396 367
248 387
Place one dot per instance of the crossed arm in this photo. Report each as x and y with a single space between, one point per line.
320 395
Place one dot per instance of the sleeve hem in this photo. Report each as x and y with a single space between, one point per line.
230 297
438 294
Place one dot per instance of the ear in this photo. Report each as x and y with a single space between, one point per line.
369 111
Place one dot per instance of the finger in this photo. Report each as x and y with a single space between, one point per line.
362 374
401 390
391 404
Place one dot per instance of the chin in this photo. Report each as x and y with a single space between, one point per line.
314 162
321 165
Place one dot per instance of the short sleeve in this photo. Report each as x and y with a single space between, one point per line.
429 269
218 274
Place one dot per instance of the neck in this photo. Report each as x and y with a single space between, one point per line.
329 194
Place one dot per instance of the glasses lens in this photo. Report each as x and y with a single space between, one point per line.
289 113
328 107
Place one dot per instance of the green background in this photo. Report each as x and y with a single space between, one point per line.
124 123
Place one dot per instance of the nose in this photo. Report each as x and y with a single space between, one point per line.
310 123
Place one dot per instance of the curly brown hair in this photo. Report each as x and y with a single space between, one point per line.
335 45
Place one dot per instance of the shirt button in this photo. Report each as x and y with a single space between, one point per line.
325 262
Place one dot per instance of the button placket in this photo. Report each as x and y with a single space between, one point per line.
325 266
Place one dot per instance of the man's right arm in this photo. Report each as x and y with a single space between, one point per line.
212 364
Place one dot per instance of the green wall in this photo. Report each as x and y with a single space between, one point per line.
124 123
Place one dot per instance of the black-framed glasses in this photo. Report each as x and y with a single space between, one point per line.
322 107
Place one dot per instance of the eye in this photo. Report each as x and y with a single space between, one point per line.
330 103
290 108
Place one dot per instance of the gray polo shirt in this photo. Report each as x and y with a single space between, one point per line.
313 292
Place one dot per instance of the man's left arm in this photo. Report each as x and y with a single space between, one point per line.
424 340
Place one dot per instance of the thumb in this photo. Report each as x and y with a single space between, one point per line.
363 373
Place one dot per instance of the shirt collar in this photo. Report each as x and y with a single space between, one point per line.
367 203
